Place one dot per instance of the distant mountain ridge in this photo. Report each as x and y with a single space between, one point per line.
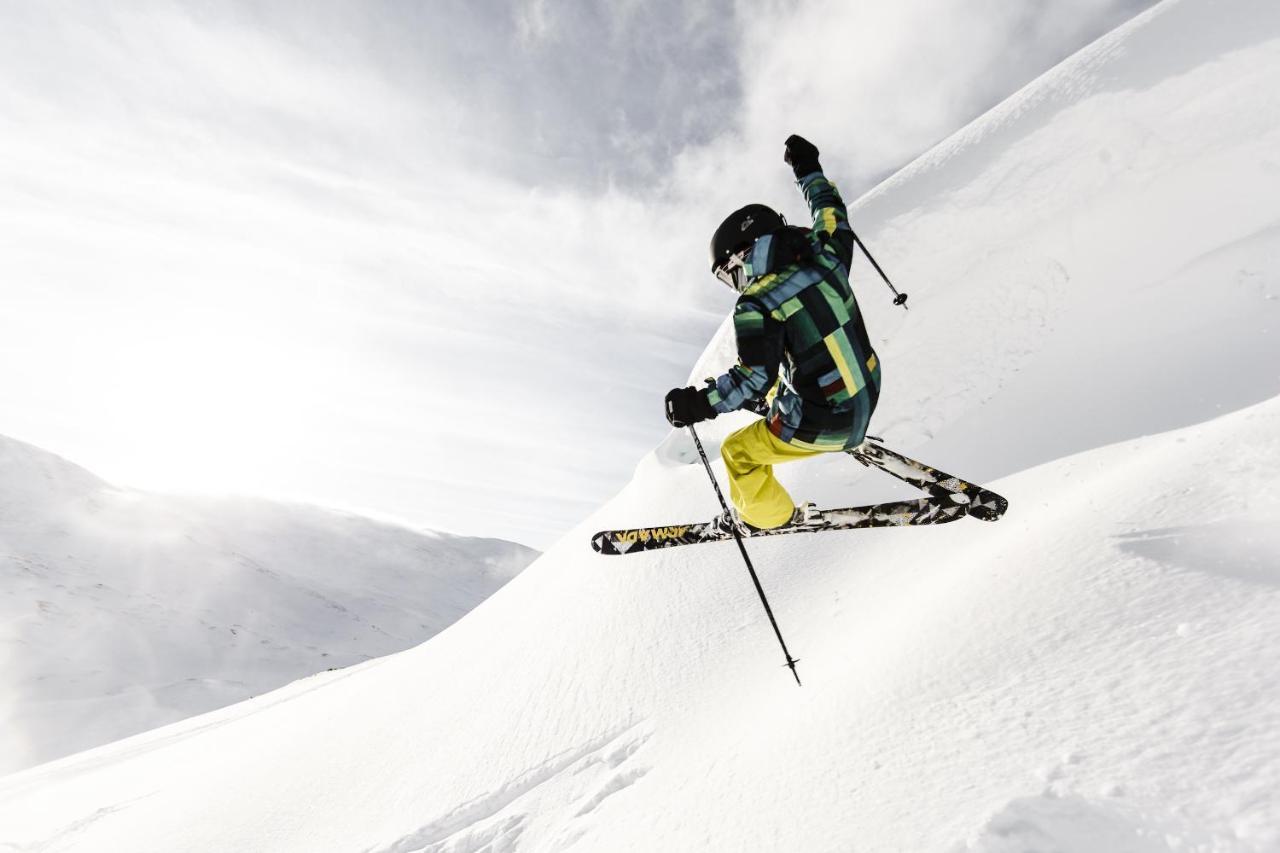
122 610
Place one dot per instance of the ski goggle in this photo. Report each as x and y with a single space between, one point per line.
733 272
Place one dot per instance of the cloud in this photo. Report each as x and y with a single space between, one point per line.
439 261
876 84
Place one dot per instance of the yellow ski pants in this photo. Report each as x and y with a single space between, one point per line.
749 456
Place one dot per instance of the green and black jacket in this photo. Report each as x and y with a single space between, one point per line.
797 321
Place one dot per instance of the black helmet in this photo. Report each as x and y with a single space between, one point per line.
742 228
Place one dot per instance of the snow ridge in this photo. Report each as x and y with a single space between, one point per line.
122 611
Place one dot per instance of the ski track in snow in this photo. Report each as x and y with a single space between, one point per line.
495 821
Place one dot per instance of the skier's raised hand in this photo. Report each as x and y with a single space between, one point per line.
801 155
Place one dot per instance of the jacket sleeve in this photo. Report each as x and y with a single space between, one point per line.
829 215
760 347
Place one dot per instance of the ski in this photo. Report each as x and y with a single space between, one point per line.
984 504
910 513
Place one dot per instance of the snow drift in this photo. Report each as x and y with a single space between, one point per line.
1095 273
121 611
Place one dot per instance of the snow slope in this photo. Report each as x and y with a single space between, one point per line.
121 611
1095 274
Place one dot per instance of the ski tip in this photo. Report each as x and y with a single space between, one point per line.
988 506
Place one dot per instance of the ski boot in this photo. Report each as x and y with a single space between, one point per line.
805 515
730 522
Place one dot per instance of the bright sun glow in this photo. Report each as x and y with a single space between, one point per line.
198 411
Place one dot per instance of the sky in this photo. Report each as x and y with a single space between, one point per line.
435 262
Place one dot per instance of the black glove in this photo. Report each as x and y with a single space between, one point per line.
688 406
802 155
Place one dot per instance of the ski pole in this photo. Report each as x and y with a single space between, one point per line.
899 298
737 537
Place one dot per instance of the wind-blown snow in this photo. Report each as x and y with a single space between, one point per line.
1094 270
121 611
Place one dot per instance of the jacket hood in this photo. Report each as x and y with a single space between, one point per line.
777 251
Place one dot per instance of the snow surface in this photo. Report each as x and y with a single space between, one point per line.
121 611
1095 278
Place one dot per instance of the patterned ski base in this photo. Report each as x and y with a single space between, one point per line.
984 504
939 510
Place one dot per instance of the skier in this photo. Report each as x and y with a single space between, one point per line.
796 314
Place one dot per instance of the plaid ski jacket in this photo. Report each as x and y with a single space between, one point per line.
800 319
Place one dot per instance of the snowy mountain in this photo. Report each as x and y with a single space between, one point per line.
1094 269
121 611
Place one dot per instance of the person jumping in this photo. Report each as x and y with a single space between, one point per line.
795 315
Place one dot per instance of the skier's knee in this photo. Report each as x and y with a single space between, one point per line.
736 454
